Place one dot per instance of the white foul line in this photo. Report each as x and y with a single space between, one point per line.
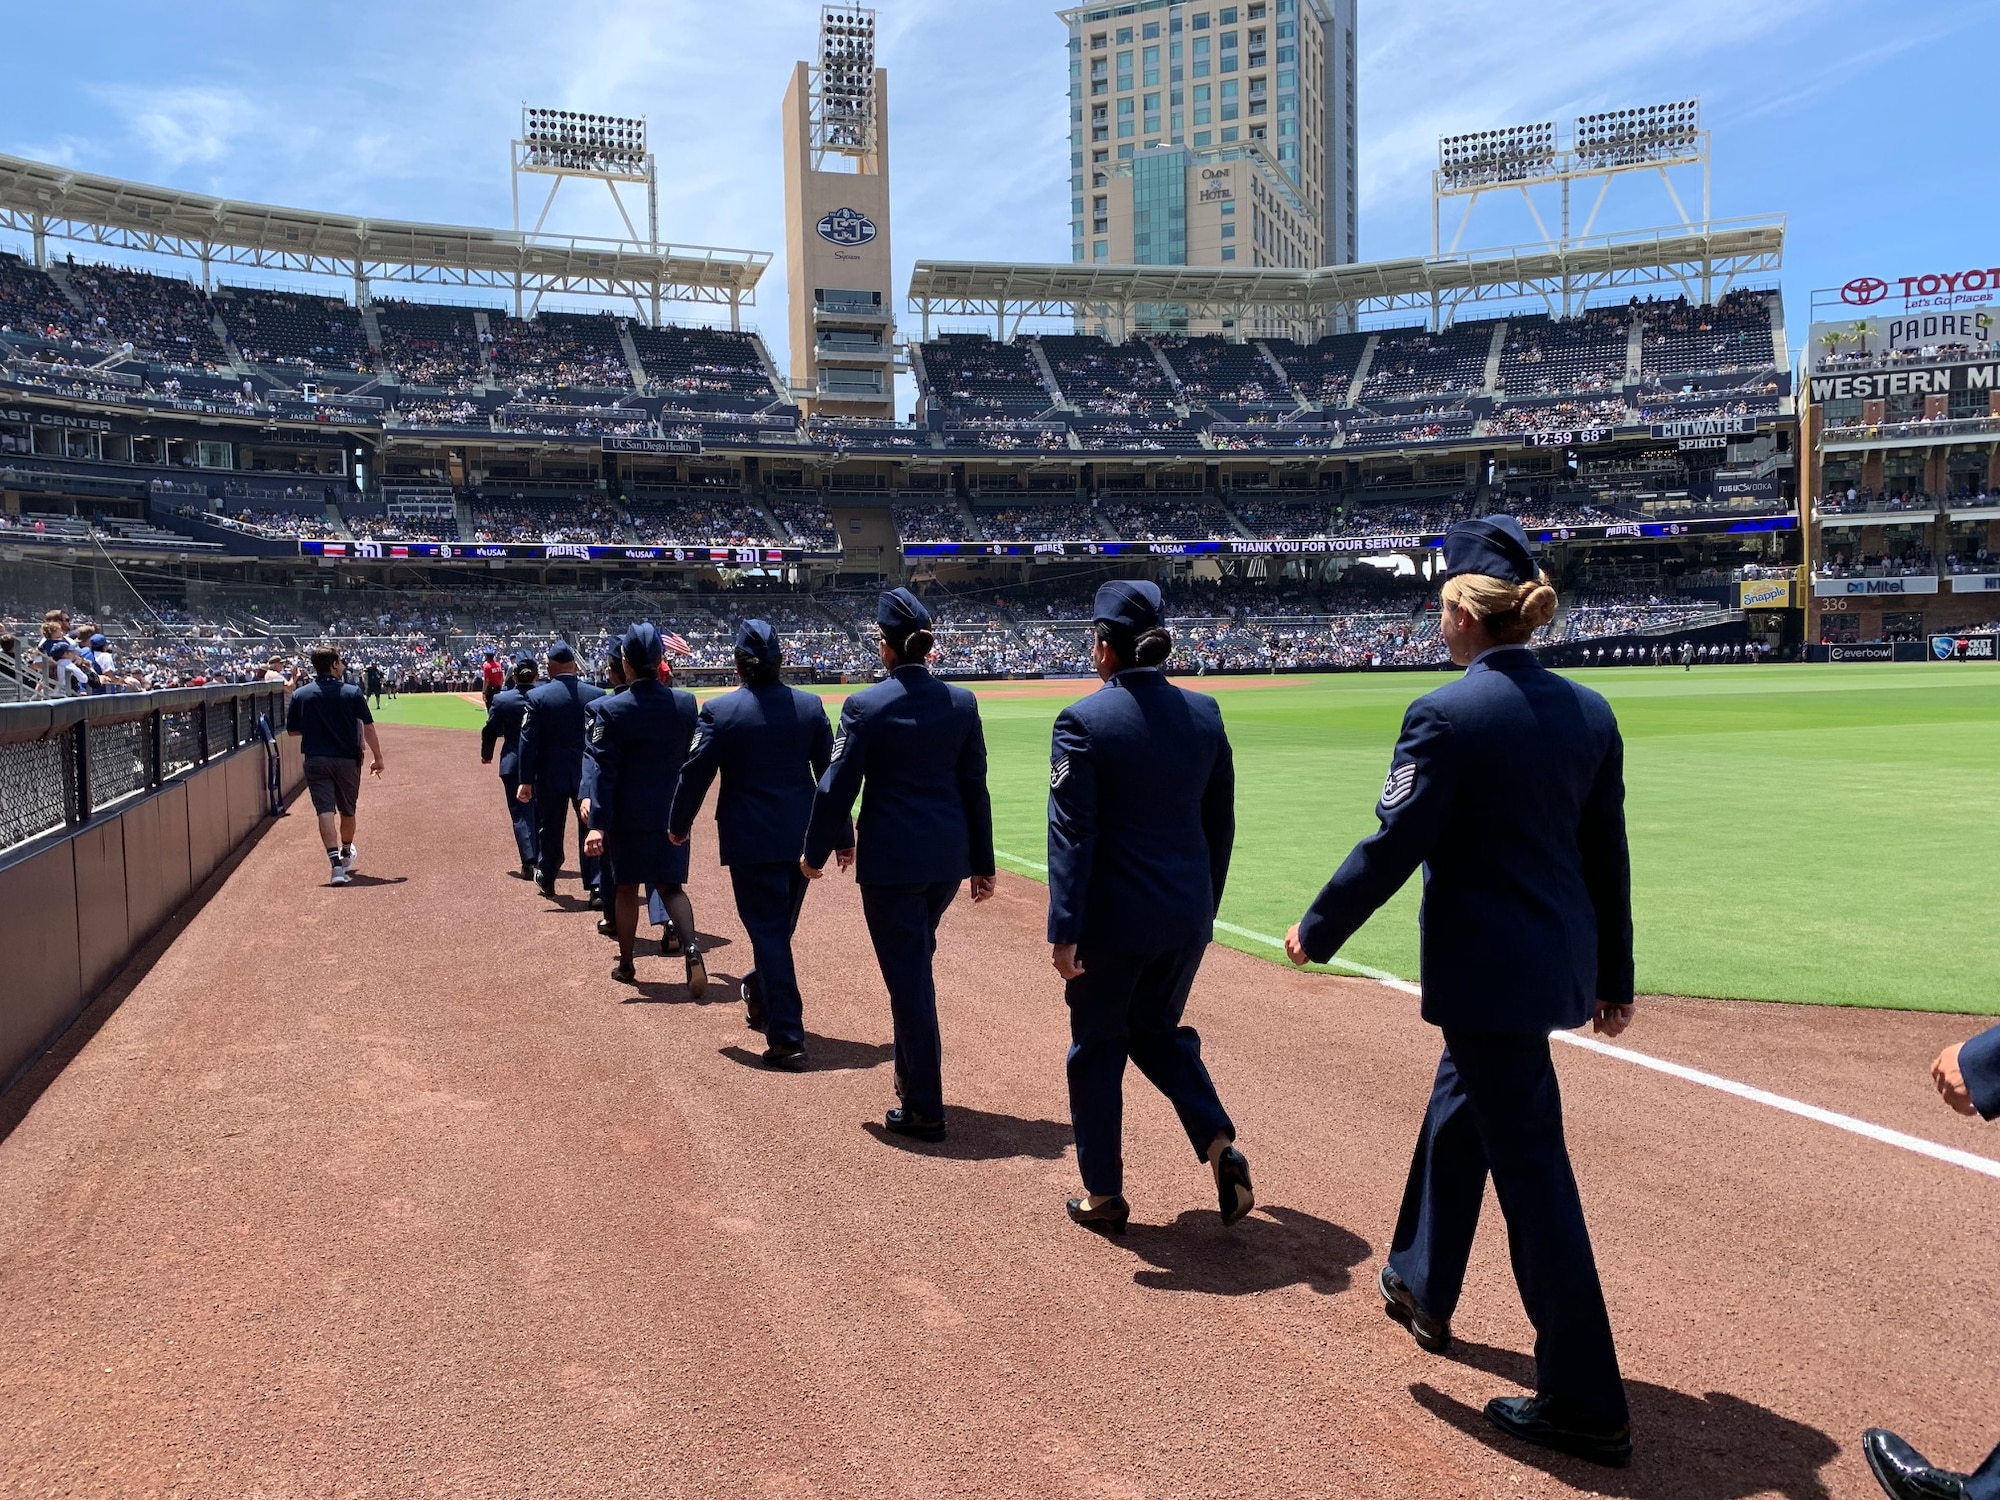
1951 1155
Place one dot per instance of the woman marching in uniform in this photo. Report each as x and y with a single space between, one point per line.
1507 786
1142 816
926 823
637 742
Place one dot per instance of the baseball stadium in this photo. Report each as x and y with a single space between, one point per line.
522 786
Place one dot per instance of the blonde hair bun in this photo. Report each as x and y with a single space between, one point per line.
1511 612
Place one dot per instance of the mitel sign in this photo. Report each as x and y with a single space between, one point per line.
1931 289
846 226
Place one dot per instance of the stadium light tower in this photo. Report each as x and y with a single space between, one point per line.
564 143
1658 138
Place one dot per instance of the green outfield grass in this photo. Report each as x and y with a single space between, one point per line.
1824 834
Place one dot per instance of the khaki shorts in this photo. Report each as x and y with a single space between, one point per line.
334 783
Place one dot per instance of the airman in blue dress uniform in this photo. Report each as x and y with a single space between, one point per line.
1967 1077
926 823
1507 786
637 742
1142 818
770 742
551 763
503 725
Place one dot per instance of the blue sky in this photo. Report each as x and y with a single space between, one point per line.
1865 122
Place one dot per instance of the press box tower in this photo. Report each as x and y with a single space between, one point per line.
837 223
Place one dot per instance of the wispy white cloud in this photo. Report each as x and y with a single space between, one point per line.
182 125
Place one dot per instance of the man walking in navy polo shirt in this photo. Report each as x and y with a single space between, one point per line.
331 717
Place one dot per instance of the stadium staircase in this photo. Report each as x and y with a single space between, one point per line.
1361 371
1489 385
1050 383
461 509
59 274
641 382
338 522
484 329
372 326
781 388
1635 350
1300 404
1781 355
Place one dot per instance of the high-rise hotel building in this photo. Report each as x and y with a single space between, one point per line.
1210 134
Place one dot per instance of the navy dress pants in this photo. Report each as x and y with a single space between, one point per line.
1128 1005
1984 1482
1495 1108
902 924
521 816
768 898
553 815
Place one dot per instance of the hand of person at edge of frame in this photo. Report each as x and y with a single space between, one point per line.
1295 950
524 793
1063 956
593 843
810 872
1610 1019
375 769
1950 1082
983 887
844 858
676 838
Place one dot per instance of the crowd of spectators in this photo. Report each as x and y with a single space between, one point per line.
1559 416
1689 338
561 350
1846 562
931 521
517 520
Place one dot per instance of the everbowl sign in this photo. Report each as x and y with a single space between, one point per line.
846 226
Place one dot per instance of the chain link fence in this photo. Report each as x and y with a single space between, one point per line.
37 787
118 761
63 762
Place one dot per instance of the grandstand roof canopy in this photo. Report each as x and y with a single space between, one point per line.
43 200
1703 260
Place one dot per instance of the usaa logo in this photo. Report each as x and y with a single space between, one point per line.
844 226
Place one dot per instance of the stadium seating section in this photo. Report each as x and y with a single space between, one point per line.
92 332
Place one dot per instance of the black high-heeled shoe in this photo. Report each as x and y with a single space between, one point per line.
1108 1217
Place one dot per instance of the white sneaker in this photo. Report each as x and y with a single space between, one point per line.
340 876
347 859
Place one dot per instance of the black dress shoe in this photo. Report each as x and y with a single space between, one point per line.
1108 1217
624 973
697 973
902 1122
1534 1419
527 869
1233 1198
670 942
787 1058
1905 1473
753 1010
596 901
1432 1334
546 884
606 927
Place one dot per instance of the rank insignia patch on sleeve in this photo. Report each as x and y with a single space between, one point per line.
1401 782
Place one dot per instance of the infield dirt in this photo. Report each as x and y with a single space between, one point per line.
389 1190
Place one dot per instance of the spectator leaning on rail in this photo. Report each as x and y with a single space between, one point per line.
331 717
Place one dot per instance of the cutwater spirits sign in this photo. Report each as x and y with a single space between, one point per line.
846 226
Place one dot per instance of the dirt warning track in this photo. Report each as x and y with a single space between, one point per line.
390 1191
